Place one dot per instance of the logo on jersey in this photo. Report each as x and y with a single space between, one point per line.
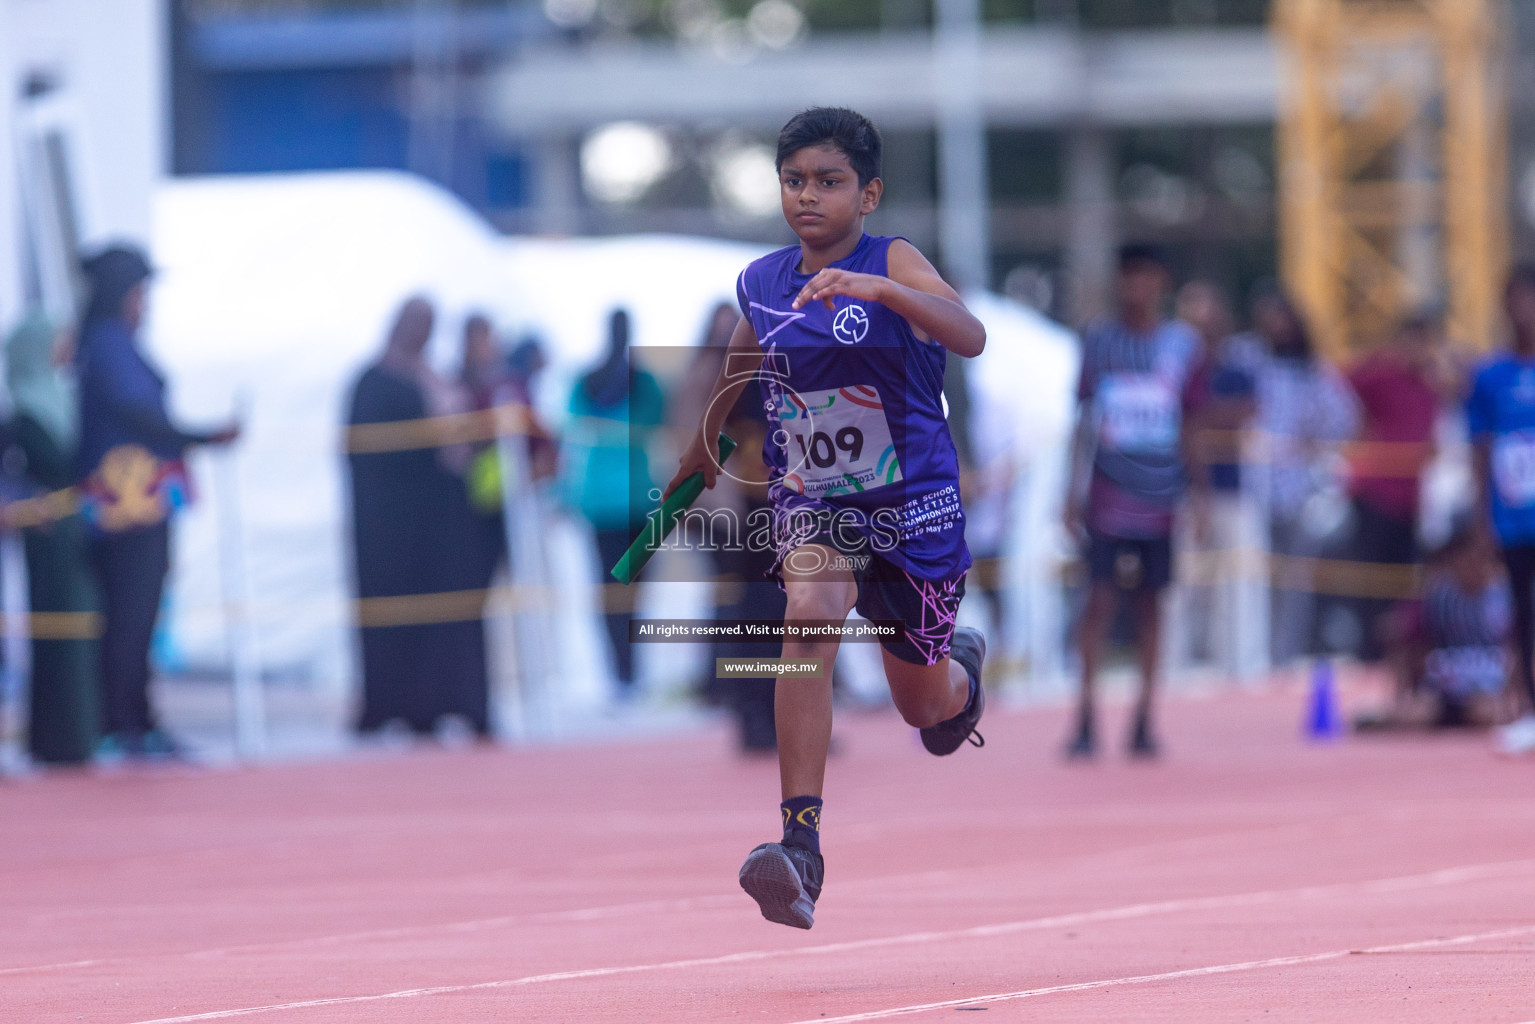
851 325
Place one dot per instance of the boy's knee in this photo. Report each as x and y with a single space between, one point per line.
922 712
1101 601
922 701
815 606
1098 614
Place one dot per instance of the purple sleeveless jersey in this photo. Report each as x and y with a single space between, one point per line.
857 439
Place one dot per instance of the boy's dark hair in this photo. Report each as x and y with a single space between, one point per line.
847 131
1137 255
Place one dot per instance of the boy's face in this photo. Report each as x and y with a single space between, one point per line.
1141 286
822 200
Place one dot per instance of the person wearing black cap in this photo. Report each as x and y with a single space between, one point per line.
130 458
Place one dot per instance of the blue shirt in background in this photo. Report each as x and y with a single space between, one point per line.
607 468
1501 411
122 399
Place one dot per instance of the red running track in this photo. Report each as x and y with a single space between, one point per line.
1247 877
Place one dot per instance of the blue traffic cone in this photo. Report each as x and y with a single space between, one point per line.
1324 722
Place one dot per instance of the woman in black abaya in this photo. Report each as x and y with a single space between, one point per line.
470 542
397 494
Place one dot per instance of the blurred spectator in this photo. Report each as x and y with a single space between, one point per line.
745 592
1399 386
698 529
1305 412
1448 650
686 406
408 517
526 362
486 378
988 487
66 678
469 537
1500 414
131 458
509 383
482 366
985 439
1467 613
614 411
1226 524
1223 390
759 599
1128 477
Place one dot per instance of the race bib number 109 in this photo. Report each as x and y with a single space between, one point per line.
837 441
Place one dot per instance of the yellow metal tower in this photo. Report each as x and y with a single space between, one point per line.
1393 164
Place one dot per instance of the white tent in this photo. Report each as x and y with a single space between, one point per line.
274 291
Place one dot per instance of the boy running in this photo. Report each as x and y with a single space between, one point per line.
847 334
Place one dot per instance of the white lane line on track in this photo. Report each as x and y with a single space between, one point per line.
618 910
576 915
1192 972
582 914
54 967
1433 879
551 917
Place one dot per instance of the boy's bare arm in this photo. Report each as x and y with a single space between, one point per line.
914 290
1078 473
1481 473
743 358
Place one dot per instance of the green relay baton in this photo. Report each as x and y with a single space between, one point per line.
658 526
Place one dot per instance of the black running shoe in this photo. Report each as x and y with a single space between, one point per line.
1083 746
969 649
785 880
